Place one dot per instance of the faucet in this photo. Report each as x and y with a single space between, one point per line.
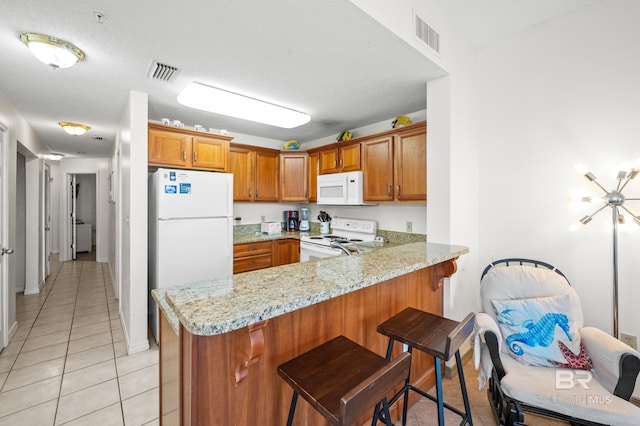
335 244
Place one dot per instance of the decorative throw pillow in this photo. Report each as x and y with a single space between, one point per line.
540 331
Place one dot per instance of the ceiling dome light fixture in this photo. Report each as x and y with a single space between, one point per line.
74 129
211 99
52 51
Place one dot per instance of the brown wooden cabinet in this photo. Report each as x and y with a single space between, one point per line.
255 173
241 165
313 177
286 251
294 174
394 165
265 254
267 175
410 165
252 256
378 169
344 158
188 149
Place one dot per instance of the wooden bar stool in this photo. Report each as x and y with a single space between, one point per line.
437 336
343 380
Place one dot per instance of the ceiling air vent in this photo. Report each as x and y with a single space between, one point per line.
163 72
427 34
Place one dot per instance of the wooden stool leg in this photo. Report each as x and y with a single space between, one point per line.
439 392
463 388
292 408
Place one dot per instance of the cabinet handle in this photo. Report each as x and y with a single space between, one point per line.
257 194
184 155
398 190
335 163
341 162
306 194
249 193
389 191
195 156
253 248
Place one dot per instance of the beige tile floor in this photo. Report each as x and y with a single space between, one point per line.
67 363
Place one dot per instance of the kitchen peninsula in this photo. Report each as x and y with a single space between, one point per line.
222 339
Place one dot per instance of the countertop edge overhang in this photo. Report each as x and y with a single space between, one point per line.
224 304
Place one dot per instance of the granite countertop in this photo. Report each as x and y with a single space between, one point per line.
224 304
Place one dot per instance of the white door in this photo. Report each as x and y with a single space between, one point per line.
72 217
47 220
4 250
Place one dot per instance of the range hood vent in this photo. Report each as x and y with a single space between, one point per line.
162 72
427 34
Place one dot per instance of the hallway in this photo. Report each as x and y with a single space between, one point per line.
67 363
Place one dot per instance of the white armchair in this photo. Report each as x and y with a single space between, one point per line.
504 343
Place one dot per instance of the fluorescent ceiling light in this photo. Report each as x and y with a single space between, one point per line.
211 99
74 129
52 51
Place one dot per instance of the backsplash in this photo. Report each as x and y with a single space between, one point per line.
393 236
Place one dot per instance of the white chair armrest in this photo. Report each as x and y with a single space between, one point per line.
481 359
605 352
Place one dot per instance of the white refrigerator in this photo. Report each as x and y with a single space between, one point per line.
190 229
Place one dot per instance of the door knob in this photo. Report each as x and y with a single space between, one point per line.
6 251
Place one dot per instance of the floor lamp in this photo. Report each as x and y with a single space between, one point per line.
615 200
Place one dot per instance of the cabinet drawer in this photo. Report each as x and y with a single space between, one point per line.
252 249
251 263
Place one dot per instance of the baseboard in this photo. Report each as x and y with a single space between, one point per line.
132 347
451 371
13 330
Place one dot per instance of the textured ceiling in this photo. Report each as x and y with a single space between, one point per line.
326 58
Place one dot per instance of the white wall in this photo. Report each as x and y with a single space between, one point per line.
452 149
130 217
18 130
562 93
82 166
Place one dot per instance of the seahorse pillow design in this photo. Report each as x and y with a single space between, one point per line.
540 331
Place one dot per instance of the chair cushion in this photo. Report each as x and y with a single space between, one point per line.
541 331
587 400
524 282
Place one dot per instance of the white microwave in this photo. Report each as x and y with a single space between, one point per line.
343 189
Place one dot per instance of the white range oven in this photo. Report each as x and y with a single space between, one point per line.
344 239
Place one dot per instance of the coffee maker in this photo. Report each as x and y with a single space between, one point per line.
304 219
291 220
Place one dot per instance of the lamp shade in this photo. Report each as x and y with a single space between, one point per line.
52 51
74 129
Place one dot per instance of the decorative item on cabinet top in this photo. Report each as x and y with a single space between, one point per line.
291 145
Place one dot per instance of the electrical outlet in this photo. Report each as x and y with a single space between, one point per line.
630 340
261 219
409 226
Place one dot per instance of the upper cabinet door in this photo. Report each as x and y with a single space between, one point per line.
378 169
169 149
328 161
267 175
313 177
411 165
294 173
350 158
241 165
210 153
